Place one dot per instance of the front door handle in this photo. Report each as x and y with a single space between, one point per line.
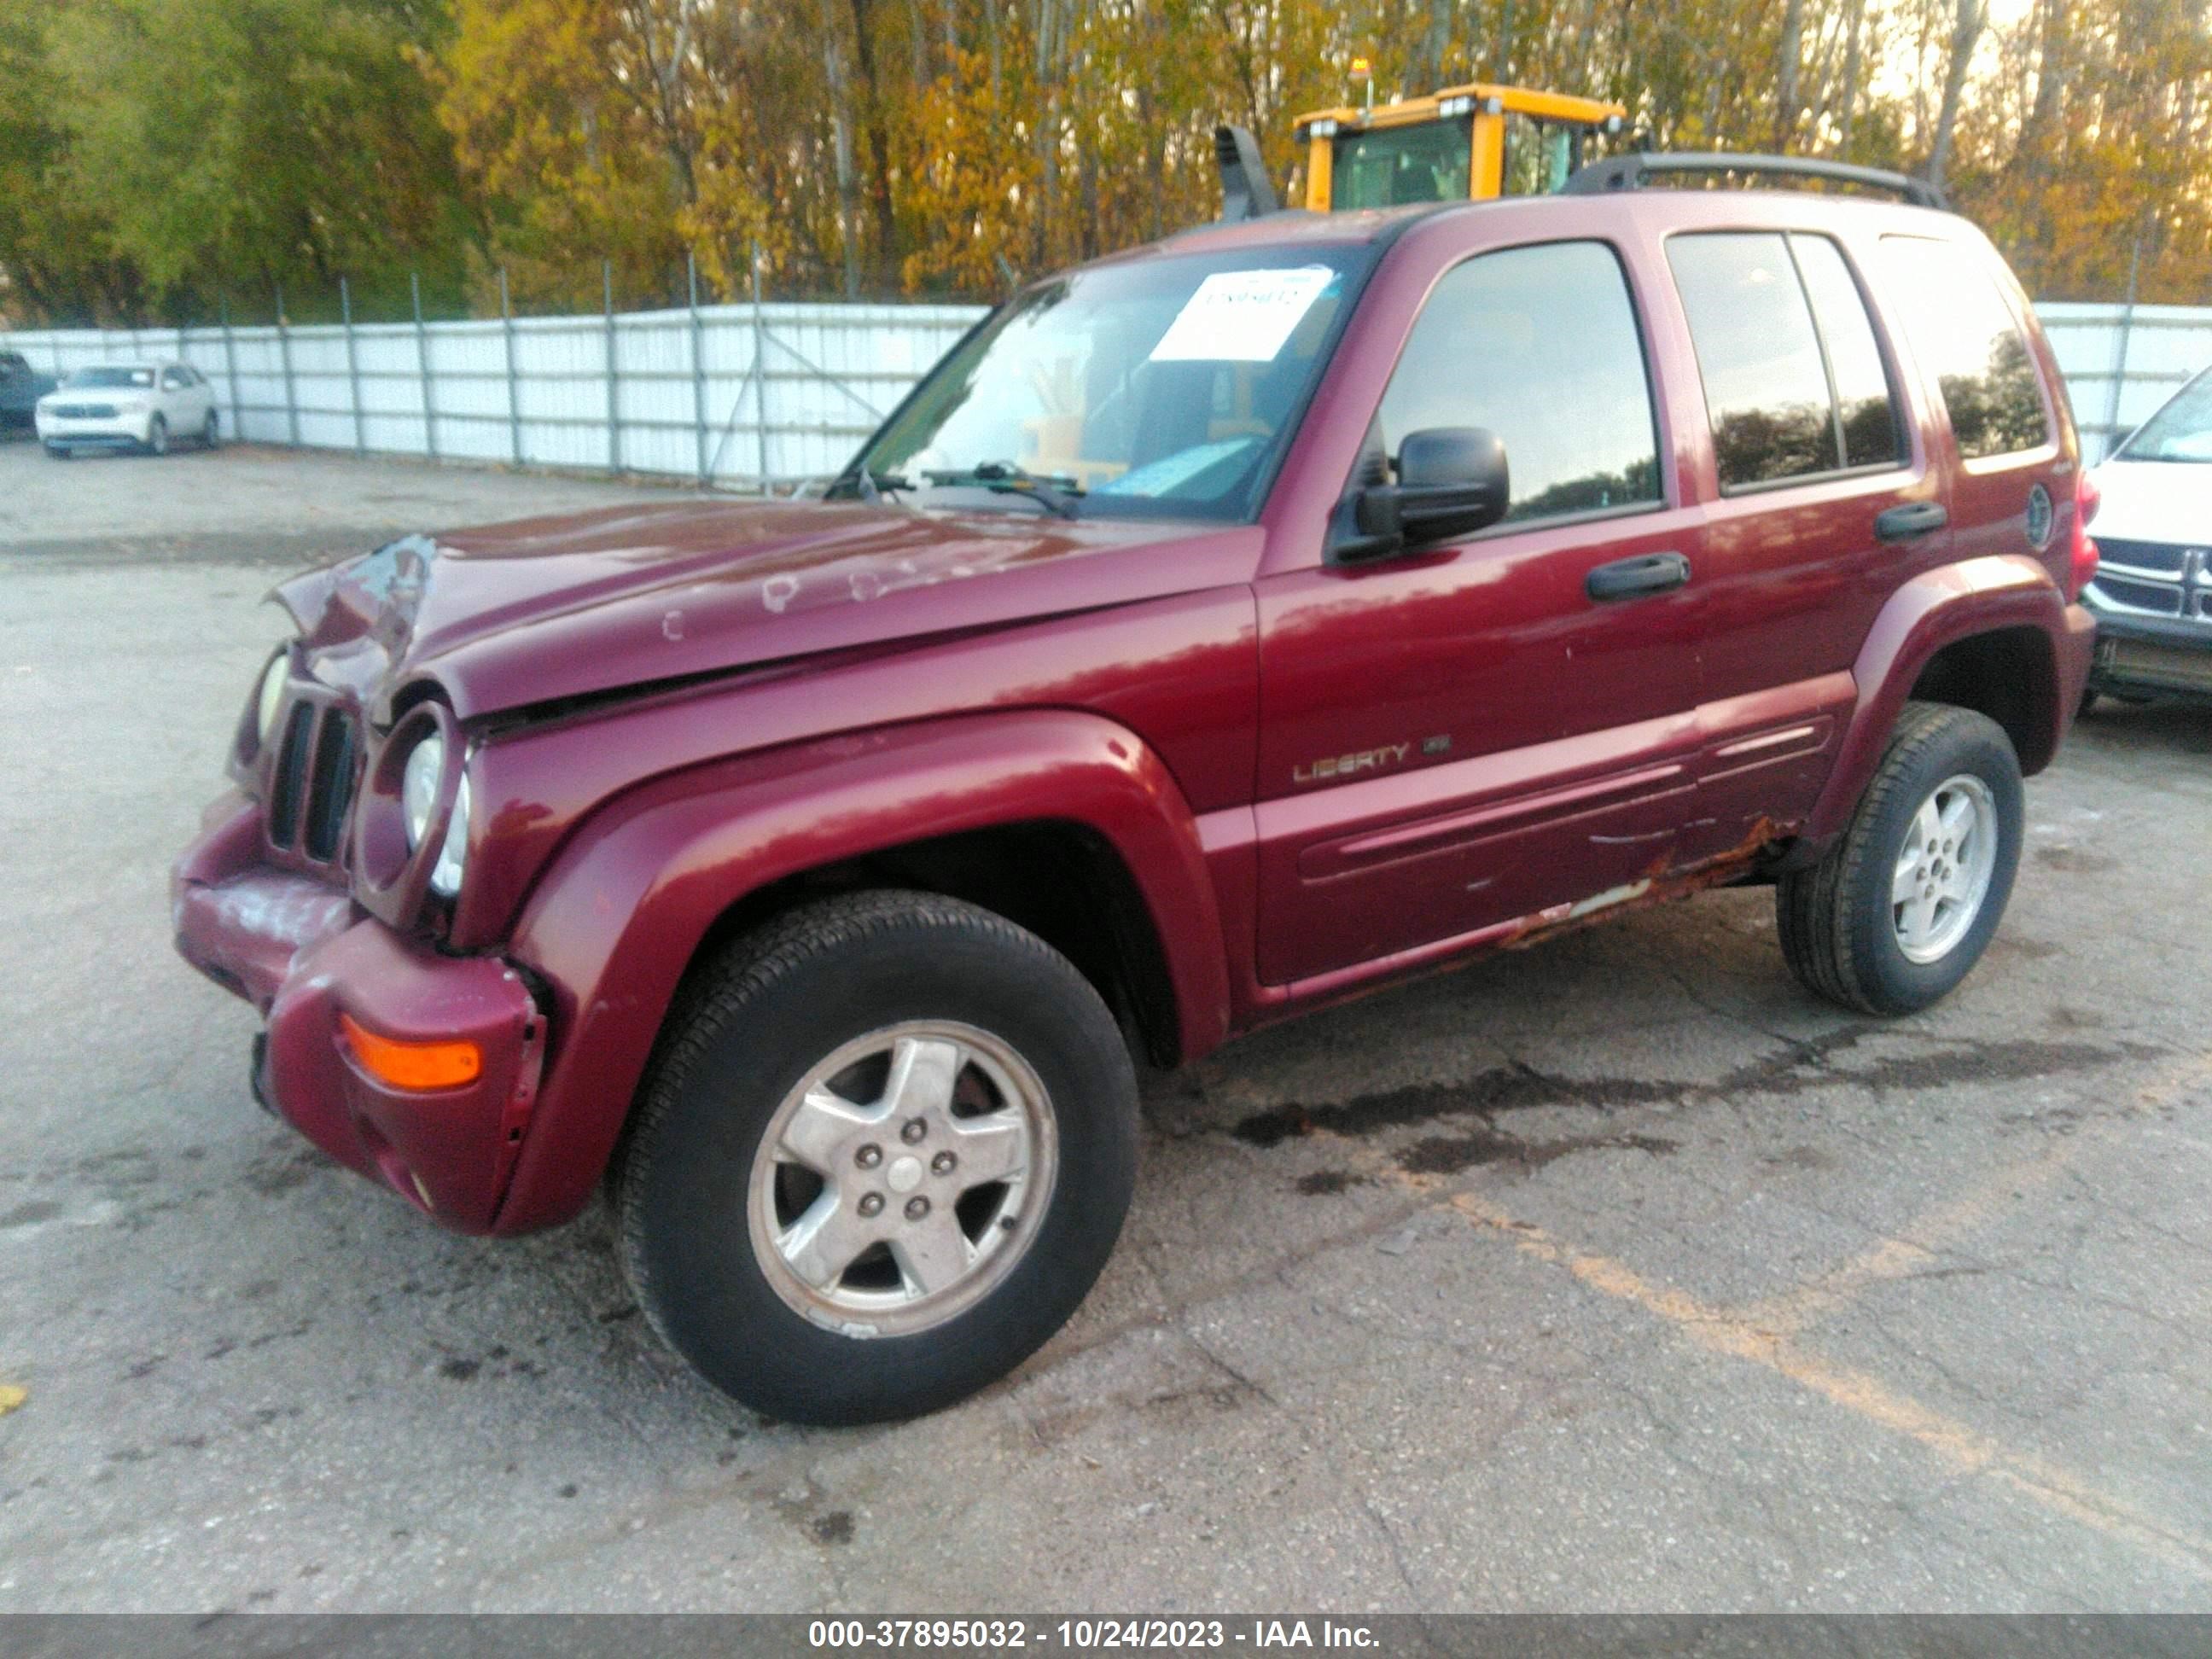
1902 524
1633 579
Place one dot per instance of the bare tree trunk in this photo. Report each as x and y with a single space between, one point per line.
1852 63
1787 54
1580 71
1434 40
1156 139
991 33
1050 18
840 131
1965 35
1090 237
2039 131
879 146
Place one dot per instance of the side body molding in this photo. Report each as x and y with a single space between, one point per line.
1938 608
616 920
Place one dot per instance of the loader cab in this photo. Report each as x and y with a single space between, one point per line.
1464 143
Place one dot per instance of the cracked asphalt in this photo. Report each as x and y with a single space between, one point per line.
1616 1274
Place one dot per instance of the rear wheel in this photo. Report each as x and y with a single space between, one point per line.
59 452
1903 905
884 1152
212 432
157 436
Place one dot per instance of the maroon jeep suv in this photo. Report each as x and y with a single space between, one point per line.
1221 629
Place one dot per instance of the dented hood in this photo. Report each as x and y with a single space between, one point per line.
518 614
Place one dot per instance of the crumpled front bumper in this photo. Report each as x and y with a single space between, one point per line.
302 952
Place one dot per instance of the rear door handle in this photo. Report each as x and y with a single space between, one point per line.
1633 579
1902 524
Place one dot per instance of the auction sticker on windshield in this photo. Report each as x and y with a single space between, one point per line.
1242 316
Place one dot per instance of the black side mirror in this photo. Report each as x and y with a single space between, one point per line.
1452 481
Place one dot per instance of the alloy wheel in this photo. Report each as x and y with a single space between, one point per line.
902 1178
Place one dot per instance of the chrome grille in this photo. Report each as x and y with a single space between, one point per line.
2157 558
82 411
2156 598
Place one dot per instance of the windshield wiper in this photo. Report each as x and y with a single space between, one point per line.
861 485
1054 492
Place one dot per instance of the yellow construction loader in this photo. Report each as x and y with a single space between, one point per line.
1464 143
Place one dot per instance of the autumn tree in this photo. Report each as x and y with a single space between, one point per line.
54 257
227 145
955 147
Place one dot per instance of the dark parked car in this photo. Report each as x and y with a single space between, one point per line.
21 388
1222 630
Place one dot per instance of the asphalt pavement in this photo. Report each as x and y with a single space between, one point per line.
1616 1274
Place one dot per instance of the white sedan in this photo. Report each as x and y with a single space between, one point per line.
128 406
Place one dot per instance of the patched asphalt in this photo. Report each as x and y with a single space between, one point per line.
1612 1274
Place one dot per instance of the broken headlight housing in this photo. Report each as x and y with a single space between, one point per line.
270 698
418 794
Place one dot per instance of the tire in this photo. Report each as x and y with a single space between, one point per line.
59 452
157 436
839 999
1845 935
212 432
2088 702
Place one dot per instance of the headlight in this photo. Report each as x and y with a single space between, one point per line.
271 697
418 792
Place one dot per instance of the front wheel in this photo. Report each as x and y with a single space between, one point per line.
157 436
212 432
59 452
884 1151
1902 906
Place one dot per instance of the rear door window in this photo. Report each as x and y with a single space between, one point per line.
1795 386
1966 336
1540 345
1865 404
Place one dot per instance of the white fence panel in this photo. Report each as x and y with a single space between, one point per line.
2122 361
782 392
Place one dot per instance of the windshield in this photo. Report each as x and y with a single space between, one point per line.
2182 431
1427 161
1157 388
109 377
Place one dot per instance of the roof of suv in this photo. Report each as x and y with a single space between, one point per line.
1297 226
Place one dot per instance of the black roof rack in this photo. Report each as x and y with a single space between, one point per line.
1633 171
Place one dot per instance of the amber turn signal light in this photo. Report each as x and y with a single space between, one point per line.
418 1065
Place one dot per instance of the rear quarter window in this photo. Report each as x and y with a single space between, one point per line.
1795 383
1967 338
1766 394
